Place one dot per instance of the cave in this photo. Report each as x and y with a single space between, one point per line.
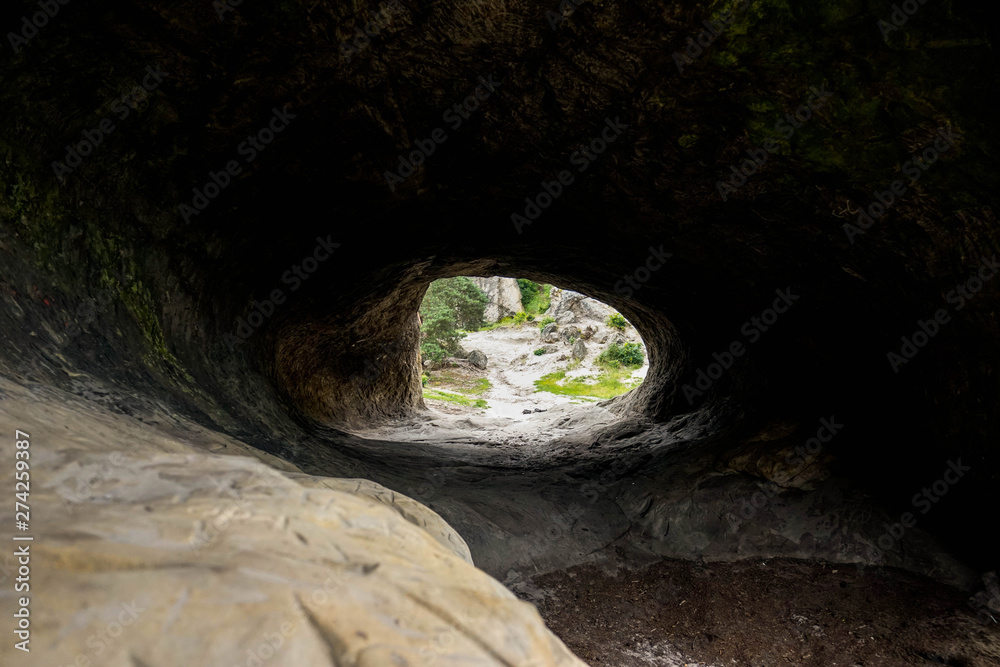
219 220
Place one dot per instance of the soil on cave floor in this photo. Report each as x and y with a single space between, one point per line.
762 614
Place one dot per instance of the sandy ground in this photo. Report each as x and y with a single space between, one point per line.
513 367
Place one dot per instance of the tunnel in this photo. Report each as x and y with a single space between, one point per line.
219 221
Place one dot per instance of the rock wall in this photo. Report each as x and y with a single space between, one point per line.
504 296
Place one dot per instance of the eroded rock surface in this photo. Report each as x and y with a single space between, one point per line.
153 550
504 296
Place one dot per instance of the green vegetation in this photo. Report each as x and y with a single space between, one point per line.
534 297
436 395
617 363
545 321
424 379
610 383
449 305
617 355
540 351
457 380
502 322
616 321
481 386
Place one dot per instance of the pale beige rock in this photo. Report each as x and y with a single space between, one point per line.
504 296
150 552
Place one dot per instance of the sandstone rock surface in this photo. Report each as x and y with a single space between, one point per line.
154 551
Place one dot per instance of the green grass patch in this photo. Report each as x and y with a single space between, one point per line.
480 386
436 395
610 383
502 322
456 381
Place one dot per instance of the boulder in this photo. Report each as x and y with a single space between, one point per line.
206 557
550 333
504 296
478 359
568 306
570 333
579 349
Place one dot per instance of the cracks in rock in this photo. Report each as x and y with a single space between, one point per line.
336 647
458 626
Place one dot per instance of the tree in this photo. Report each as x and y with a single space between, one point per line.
450 304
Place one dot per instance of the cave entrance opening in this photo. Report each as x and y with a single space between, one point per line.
510 348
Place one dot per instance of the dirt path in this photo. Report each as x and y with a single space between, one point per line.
512 369
513 366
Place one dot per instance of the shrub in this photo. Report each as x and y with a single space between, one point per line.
540 351
529 290
616 321
450 304
629 354
545 321
424 379
534 297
